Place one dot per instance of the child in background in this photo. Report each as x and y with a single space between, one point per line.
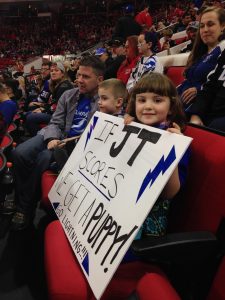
112 96
154 102
148 62
168 42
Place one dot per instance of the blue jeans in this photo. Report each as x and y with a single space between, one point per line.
33 121
30 160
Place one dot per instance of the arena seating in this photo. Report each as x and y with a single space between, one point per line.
6 144
200 207
47 181
176 74
2 162
154 286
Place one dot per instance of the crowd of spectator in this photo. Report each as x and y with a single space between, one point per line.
71 32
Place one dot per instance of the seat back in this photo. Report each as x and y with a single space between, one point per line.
175 73
217 290
201 204
6 143
2 163
12 127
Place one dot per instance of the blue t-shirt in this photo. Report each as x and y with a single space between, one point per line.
80 117
45 93
8 109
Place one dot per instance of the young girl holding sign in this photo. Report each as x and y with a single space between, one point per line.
154 102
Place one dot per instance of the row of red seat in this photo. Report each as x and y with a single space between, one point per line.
200 207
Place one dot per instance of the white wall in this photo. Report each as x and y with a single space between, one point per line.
36 63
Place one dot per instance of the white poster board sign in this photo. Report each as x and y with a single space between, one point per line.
107 188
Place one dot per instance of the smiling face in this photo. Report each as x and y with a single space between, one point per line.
210 29
152 109
87 80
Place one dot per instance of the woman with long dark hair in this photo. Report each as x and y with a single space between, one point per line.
202 60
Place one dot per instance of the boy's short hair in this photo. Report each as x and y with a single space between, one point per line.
117 86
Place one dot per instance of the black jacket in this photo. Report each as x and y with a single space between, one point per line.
126 26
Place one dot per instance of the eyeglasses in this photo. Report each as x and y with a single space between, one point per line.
141 44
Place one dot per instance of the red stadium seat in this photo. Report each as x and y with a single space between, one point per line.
47 181
199 207
63 268
176 74
12 127
2 162
154 286
217 290
6 143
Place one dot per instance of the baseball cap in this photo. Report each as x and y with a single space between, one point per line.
100 51
116 41
194 25
129 8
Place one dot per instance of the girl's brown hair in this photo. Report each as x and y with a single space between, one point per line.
199 48
159 84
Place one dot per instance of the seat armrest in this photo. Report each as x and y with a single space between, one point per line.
177 247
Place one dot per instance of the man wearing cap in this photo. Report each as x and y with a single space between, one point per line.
33 157
104 56
118 56
191 34
126 25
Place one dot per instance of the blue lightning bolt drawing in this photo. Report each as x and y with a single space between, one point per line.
92 126
162 166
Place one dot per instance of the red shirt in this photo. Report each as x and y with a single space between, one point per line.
144 18
126 68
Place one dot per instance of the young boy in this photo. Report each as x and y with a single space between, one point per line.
112 93
112 96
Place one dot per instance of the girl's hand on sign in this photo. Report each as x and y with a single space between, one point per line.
128 119
175 128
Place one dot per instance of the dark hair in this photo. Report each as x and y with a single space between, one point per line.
14 85
95 63
47 63
187 13
159 84
151 37
199 48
